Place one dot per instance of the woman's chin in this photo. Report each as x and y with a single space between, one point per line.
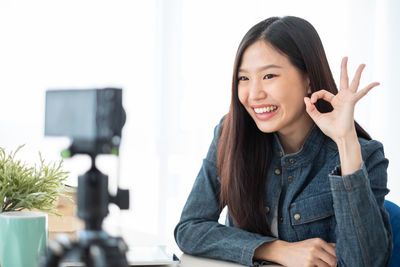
267 128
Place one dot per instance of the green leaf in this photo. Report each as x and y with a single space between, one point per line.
24 187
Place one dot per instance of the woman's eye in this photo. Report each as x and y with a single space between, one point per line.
269 76
243 78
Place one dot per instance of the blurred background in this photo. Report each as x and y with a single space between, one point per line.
174 61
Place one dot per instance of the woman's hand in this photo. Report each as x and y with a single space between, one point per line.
339 123
306 253
311 252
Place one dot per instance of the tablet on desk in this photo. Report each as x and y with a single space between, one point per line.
140 256
150 255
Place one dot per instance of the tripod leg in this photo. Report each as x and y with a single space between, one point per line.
56 251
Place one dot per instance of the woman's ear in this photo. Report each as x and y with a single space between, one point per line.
308 85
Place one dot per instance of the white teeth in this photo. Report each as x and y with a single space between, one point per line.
265 109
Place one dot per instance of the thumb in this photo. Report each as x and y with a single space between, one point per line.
311 109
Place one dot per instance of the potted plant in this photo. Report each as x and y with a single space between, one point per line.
25 193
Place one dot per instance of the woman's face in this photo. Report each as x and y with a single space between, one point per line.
272 90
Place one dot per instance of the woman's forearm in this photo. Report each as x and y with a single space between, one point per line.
270 251
350 154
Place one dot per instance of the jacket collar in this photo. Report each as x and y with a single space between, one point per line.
307 152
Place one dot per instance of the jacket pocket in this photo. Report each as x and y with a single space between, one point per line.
314 217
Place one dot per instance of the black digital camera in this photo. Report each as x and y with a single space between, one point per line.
92 118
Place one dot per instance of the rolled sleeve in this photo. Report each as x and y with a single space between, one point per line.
348 182
249 250
363 230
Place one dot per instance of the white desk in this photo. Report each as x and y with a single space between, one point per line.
192 261
136 238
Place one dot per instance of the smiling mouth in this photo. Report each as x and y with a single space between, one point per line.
265 109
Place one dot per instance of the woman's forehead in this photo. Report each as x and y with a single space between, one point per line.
261 54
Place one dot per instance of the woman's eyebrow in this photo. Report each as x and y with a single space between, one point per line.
262 68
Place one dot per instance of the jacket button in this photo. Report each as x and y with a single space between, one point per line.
297 217
266 209
280 154
277 171
292 160
281 219
290 178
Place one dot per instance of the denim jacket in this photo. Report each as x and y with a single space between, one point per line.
312 198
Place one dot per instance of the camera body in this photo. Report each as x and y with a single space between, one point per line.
92 118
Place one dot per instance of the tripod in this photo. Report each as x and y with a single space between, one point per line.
94 246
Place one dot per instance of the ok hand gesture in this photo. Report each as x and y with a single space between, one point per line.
339 123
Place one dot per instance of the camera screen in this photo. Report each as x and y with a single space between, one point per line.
71 113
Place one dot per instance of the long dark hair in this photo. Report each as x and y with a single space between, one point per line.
244 152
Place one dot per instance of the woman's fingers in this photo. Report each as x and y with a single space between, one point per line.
311 109
310 252
356 80
327 253
330 255
321 263
328 247
344 78
325 95
360 94
327 259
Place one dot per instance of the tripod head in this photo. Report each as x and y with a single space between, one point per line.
94 120
94 198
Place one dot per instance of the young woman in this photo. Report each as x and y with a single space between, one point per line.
303 182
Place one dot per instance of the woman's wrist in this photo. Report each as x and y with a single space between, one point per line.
349 153
270 251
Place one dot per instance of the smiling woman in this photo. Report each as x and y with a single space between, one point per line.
304 184
174 60
272 91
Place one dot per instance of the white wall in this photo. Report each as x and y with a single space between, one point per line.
174 61
384 122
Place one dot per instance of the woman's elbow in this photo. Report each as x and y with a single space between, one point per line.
182 237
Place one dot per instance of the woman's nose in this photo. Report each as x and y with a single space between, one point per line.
257 91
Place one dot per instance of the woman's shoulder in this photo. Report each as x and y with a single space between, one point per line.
212 151
368 147
218 130
369 144
218 127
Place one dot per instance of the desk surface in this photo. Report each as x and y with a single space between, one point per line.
192 261
186 260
